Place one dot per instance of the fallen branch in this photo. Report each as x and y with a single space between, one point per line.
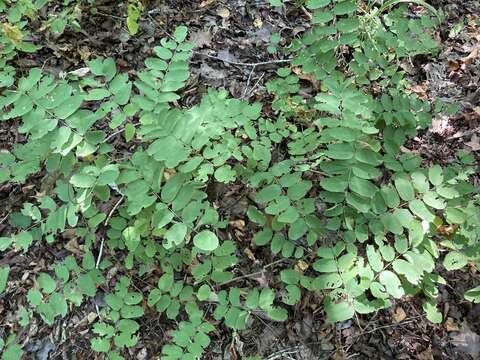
280 61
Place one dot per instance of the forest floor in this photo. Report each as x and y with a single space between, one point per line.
229 37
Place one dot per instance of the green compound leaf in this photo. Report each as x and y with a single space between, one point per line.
83 180
337 308
4 271
392 284
268 193
409 270
454 260
418 208
334 184
435 175
176 234
101 345
290 276
225 174
405 189
131 311
362 187
455 216
289 216
206 240
473 295
432 312
46 283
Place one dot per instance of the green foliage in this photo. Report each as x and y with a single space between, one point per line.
4 271
369 223
134 9
10 349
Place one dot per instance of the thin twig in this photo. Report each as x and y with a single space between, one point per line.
253 274
112 135
406 321
280 61
102 243
100 253
110 15
284 353
115 207
4 218
248 82
256 84
119 131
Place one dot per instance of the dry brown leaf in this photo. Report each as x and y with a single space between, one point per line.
440 125
420 90
84 53
301 266
223 12
451 325
473 55
73 247
168 173
239 224
249 254
474 143
425 355
201 38
12 32
258 23
453 65
306 76
467 342
206 3
338 355
262 280
399 314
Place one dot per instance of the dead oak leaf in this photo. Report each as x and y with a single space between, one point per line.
467 342
474 143
201 39
451 325
206 3
425 355
399 315
223 12
474 54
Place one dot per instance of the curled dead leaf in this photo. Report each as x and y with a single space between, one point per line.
425 355
12 32
201 39
474 53
249 254
467 342
474 143
223 12
399 314
451 325
301 266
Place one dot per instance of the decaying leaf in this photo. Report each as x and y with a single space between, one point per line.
12 32
467 342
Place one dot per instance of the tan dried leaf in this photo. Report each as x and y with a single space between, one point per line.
425 355
451 325
12 32
399 314
467 341
201 38
301 266
223 12
474 143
